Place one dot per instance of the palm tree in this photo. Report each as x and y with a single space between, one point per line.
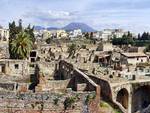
21 46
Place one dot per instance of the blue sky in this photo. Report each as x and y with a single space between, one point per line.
131 15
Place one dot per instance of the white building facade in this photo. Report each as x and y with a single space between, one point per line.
4 35
107 34
75 33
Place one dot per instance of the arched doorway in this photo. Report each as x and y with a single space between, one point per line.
122 98
141 98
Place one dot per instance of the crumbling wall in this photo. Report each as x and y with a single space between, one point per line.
105 87
7 86
19 68
77 77
57 85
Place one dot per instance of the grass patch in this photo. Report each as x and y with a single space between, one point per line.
104 105
117 111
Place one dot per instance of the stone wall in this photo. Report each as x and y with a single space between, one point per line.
68 71
18 68
14 87
42 102
7 86
105 87
65 70
56 85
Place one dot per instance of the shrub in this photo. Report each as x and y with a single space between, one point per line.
56 101
69 101
83 46
89 98
48 41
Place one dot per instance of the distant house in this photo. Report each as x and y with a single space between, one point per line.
103 58
133 58
105 47
119 33
54 34
4 39
75 33
107 34
61 34
133 49
4 35
4 50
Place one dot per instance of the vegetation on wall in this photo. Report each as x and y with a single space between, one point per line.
89 98
69 101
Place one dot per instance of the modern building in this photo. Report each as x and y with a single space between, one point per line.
107 34
75 34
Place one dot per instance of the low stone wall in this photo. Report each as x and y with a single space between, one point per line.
41 102
58 84
7 86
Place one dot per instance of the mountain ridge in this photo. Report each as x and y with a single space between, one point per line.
70 27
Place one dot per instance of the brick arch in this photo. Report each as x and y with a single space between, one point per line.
141 97
123 97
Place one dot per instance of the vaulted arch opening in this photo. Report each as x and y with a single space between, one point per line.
141 98
122 98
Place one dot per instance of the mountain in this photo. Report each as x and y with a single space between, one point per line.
42 28
39 28
82 26
69 27
52 28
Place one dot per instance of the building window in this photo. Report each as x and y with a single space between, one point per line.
137 58
32 59
16 66
33 54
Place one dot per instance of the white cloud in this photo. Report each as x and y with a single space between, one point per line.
59 14
50 17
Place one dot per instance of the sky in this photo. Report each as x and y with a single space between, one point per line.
131 15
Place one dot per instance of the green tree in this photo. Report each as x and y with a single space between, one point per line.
48 40
20 25
148 48
29 31
91 35
21 46
87 35
126 39
14 30
72 50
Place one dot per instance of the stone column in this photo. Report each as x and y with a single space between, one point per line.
130 101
